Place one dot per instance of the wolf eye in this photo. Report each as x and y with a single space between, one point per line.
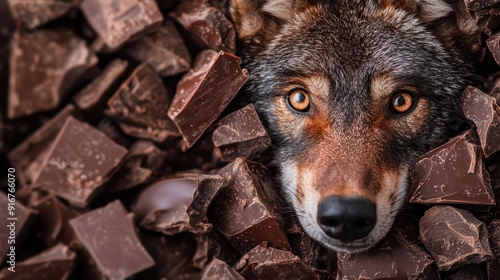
401 103
298 100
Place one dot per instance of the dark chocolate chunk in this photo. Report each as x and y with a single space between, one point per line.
212 245
493 269
204 92
488 24
54 61
494 237
453 173
468 272
176 205
117 22
108 235
240 134
57 262
164 50
493 44
244 210
79 162
140 106
218 269
480 4
454 237
37 13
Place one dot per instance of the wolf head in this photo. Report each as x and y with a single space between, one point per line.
352 92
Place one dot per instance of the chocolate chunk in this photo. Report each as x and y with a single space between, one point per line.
453 173
79 162
108 235
454 237
204 92
494 237
493 44
206 26
176 205
468 272
212 245
240 134
117 22
480 4
244 210
484 112
57 262
164 50
218 269
36 13
55 61
487 23
140 106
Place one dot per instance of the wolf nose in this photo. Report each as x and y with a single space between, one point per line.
346 219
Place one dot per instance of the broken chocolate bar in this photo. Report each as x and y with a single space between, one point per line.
240 134
37 13
454 237
108 236
204 92
218 269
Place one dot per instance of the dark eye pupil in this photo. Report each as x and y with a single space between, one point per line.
299 97
399 101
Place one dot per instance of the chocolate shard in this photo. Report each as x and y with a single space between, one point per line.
164 50
80 160
240 134
117 22
37 13
206 26
176 205
454 237
218 269
57 262
55 61
453 173
493 44
140 106
108 235
469 272
244 210
484 112
480 4
204 92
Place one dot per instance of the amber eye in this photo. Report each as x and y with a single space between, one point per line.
298 100
401 103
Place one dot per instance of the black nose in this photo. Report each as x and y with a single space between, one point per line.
346 219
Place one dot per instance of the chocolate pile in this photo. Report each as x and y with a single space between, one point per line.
131 161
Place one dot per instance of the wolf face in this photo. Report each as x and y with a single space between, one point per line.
351 93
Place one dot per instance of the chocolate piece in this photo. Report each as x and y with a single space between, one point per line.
453 173
117 22
176 205
468 272
218 269
204 92
493 44
94 94
108 235
36 13
164 50
240 134
206 26
493 269
55 61
494 237
454 237
245 209
55 263
79 162
212 245
487 23
484 112
480 4
140 106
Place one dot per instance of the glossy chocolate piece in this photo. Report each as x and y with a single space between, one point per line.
57 262
54 61
218 269
140 106
244 211
453 173
240 134
117 22
454 237
164 50
79 162
38 13
204 92
468 272
108 235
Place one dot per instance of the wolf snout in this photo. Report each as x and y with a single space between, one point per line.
345 218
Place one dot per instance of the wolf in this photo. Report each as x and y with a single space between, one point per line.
351 93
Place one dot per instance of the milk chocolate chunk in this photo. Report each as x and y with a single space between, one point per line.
117 22
140 106
218 269
57 262
240 134
204 92
37 13
81 159
244 210
454 237
469 272
484 112
54 61
205 25
453 173
108 235
164 50
176 205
